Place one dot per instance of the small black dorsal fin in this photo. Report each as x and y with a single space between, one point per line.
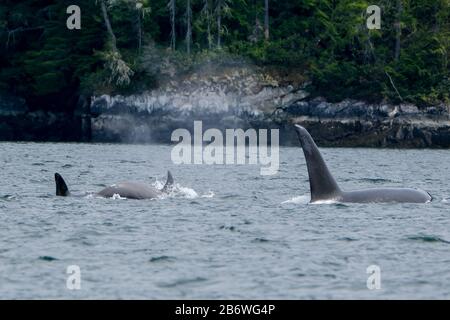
61 187
169 183
322 184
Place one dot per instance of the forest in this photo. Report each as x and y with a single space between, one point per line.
121 43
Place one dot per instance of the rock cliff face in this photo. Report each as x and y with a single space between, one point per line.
227 98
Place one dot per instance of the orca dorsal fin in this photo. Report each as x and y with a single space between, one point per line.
169 183
61 187
322 184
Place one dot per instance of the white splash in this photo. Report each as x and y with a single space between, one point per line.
117 196
329 201
184 192
298 200
158 184
209 194
306 199
179 191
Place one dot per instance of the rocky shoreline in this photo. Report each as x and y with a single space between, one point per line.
359 124
346 124
230 97
19 123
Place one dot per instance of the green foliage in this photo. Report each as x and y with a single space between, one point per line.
39 55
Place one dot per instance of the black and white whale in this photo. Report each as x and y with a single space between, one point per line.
127 189
324 187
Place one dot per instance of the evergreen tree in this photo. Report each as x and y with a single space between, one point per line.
173 35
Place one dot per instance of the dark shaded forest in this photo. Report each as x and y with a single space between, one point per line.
121 43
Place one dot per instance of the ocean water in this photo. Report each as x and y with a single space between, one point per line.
224 232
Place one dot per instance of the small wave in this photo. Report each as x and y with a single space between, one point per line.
347 239
229 196
182 282
298 200
161 259
131 161
427 238
47 258
209 194
8 197
376 180
91 195
231 228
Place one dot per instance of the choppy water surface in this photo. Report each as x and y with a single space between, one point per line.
225 232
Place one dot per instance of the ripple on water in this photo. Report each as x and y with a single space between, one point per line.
47 258
38 164
182 282
349 239
8 197
162 259
231 228
428 238
376 180
260 240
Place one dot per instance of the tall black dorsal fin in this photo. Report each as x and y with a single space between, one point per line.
322 184
61 187
169 183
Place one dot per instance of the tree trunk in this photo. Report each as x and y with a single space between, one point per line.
219 28
108 26
208 18
172 23
139 31
209 35
398 30
188 27
436 18
266 20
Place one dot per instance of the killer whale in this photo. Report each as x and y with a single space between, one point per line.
127 189
323 186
